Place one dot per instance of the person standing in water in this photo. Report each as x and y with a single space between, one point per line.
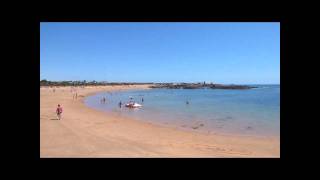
141 99
59 111
187 102
120 103
103 100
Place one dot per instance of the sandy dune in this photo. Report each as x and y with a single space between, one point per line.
85 132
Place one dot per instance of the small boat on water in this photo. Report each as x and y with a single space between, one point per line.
133 105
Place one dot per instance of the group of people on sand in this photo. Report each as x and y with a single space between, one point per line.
103 100
59 108
75 95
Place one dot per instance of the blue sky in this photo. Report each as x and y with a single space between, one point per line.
238 53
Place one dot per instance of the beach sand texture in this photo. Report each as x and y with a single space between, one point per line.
85 132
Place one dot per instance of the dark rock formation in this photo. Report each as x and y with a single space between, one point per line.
199 86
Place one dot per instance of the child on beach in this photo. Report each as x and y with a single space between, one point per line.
59 111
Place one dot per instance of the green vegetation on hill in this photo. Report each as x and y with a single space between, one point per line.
44 82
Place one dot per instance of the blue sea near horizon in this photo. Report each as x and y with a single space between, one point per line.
244 112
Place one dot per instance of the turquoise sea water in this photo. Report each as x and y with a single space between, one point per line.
243 112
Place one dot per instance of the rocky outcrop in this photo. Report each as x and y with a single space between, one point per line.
199 86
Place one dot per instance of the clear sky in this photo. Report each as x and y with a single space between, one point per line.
238 53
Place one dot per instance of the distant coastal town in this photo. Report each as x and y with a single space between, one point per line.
45 82
198 85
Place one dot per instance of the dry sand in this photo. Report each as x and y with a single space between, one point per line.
85 132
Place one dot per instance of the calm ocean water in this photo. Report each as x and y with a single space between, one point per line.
243 112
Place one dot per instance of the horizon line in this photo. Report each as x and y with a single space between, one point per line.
164 82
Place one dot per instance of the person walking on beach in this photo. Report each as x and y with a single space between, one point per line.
59 111
75 96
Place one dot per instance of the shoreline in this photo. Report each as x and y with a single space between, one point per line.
187 129
86 132
182 127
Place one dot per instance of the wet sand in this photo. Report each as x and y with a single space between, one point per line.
86 132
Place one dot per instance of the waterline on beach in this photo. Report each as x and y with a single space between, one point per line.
242 112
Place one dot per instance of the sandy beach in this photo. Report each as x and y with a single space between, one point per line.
86 132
